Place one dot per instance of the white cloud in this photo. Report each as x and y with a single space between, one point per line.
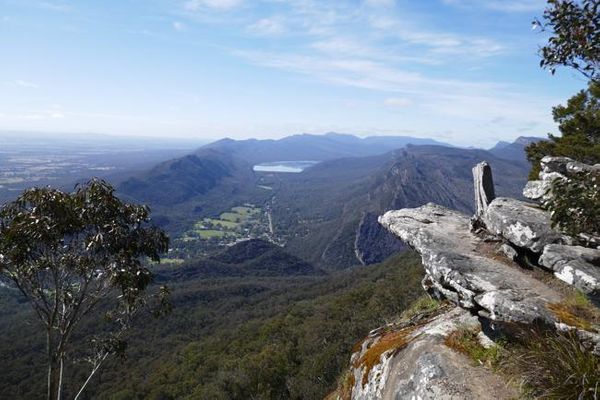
25 84
197 5
397 102
271 26
178 26
437 42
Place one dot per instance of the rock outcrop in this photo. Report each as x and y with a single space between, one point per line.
478 265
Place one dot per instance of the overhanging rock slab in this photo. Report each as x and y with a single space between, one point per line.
453 260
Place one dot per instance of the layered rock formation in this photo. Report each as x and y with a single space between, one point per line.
492 267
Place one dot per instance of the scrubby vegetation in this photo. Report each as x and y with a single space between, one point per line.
575 204
551 366
233 338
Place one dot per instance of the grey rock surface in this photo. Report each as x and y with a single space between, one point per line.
523 224
575 265
456 263
535 190
426 368
555 164
509 251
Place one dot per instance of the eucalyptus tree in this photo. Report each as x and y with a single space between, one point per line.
574 41
72 253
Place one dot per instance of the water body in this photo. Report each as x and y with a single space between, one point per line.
284 166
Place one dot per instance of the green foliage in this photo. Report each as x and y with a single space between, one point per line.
68 252
579 123
575 204
575 36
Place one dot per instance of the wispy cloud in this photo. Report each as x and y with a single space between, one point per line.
500 5
397 102
54 6
198 5
380 3
271 26
179 26
25 84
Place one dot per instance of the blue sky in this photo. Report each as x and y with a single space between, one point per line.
460 71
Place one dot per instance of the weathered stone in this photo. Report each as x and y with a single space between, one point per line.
535 190
509 251
555 164
523 224
484 187
576 265
425 368
453 260
574 167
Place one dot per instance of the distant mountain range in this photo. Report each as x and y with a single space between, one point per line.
515 150
314 147
327 214
179 180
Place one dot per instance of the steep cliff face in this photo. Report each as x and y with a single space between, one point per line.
477 265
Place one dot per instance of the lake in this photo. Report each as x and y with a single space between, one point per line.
284 166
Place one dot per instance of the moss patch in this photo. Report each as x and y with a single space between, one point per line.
577 311
388 342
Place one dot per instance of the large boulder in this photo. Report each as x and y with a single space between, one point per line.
576 265
523 224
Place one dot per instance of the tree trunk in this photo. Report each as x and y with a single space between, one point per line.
55 370
54 379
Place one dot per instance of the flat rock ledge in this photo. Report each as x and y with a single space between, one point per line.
415 363
456 267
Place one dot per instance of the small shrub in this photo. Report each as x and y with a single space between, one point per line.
423 304
465 341
575 204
